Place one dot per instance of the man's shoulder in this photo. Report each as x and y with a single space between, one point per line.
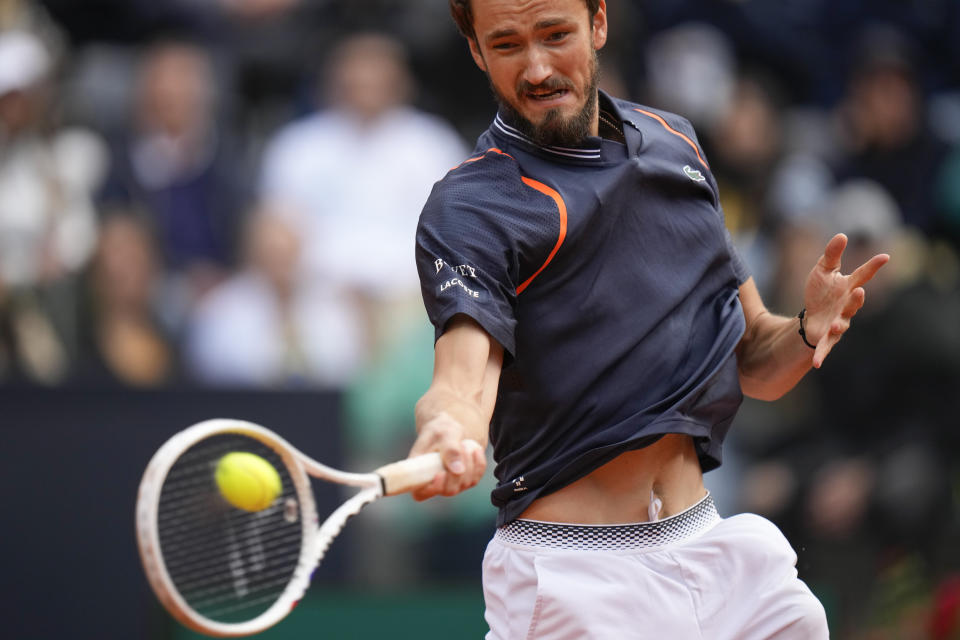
487 183
640 113
487 166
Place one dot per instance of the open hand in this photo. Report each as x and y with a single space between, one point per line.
832 299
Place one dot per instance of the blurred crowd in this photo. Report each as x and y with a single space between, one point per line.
225 192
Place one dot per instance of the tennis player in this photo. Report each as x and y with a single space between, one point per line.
594 320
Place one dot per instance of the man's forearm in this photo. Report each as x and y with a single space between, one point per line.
467 364
772 357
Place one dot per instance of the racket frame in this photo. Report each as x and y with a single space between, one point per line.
148 536
392 479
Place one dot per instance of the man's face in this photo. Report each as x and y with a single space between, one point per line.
540 57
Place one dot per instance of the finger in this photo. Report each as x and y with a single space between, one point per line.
474 467
441 434
454 484
839 326
455 465
479 460
453 458
868 269
472 448
832 254
430 490
857 297
823 349
466 456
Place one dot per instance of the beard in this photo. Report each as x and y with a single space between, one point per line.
555 130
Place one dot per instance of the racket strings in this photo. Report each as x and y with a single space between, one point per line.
231 517
264 602
201 572
209 602
226 563
189 552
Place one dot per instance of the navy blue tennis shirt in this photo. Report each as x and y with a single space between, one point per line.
608 276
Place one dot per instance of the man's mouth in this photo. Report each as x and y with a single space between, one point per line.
547 94
554 89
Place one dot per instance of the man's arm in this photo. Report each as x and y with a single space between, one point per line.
771 355
453 416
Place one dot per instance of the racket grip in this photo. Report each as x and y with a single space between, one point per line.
412 473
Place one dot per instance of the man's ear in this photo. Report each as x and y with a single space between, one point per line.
477 56
600 26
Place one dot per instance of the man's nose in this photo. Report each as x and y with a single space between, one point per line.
539 66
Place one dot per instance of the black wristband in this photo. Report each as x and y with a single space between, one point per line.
803 334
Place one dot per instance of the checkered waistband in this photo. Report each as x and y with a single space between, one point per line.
642 535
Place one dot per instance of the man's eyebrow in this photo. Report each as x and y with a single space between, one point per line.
502 33
543 24
552 22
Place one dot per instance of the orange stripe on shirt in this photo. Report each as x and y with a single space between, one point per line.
676 133
481 156
562 207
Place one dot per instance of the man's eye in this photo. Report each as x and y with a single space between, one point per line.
504 46
557 36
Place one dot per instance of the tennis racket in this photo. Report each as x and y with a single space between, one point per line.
227 572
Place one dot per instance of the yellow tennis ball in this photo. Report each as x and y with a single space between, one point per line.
247 481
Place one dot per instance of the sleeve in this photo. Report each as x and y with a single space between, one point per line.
468 245
740 269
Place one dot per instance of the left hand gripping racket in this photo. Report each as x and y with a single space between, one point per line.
228 572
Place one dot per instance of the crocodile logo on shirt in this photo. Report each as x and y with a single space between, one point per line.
693 174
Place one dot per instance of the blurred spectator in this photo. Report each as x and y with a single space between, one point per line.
27 15
357 173
268 326
122 340
261 49
691 70
887 136
745 147
136 20
177 165
47 219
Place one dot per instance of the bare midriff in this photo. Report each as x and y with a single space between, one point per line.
620 491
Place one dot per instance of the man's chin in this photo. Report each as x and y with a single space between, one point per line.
560 126
546 112
551 119
558 130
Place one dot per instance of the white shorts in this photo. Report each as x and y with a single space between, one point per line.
689 576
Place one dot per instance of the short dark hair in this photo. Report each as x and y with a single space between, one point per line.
462 13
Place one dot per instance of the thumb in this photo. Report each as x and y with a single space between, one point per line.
452 454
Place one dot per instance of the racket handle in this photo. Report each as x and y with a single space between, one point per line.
412 473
